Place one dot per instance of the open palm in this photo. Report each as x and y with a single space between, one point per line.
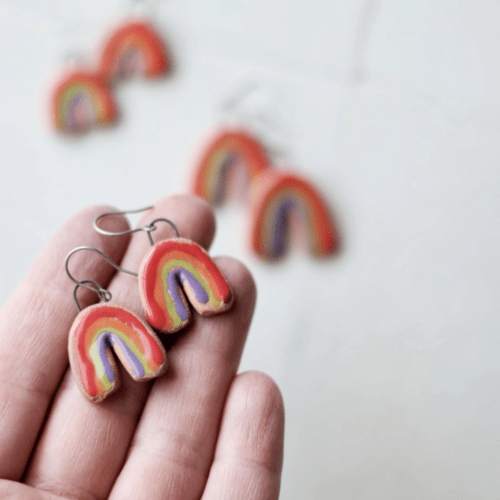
198 432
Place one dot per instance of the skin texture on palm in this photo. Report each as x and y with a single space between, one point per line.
199 431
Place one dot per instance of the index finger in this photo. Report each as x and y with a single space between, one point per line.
34 326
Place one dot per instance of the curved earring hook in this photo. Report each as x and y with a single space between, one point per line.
91 284
148 229
103 255
262 121
144 7
234 100
103 294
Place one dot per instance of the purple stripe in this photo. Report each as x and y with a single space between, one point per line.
280 233
174 279
220 183
103 342
71 119
108 340
131 358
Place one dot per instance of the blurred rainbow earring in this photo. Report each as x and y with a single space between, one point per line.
135 48
175 273
229 149
276 198
82 100
103 329
235 155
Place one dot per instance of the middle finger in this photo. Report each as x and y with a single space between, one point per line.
173 447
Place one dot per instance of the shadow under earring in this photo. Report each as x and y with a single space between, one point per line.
103 329
175 273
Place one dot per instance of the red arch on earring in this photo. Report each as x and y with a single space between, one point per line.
78 94
132 39
228 147
274 195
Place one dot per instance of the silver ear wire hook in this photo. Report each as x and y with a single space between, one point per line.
103 255
103 294
144 8
91 284
234 100
148 229
262 120
75 58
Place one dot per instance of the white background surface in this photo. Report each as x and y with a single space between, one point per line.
387 355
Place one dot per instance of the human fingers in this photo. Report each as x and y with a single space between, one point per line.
13 489
83 445
172 449
249 454
33 333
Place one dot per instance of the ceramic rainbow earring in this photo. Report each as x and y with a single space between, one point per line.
175 273
103 329
230 148
235 155
82 100
277 195
134 49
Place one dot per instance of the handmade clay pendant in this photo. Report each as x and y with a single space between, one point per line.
175 272
101 330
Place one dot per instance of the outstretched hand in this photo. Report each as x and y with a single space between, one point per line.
198 432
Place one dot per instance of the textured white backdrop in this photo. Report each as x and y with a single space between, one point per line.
387 355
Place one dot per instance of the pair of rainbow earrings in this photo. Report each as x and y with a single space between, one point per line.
174 273
84 98
274 195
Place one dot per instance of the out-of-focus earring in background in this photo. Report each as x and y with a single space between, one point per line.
229 149
135 48
81 100
279 196
235 154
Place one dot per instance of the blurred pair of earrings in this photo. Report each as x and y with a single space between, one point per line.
84 97
276 196
175 274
